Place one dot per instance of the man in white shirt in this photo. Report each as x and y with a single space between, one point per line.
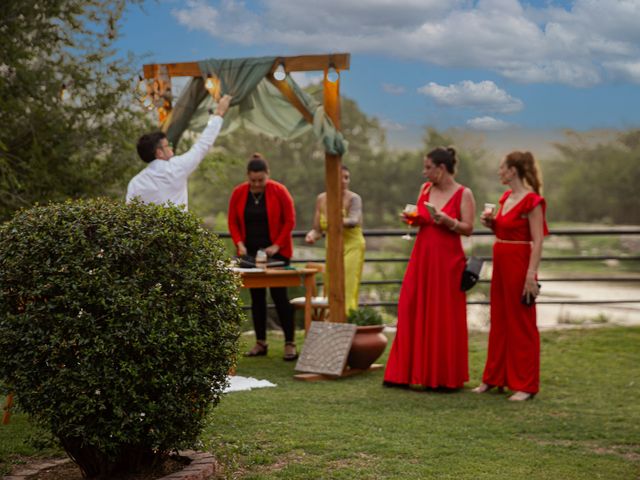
165 178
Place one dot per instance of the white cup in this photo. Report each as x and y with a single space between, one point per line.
261 259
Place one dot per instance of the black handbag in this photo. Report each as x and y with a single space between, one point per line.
471 273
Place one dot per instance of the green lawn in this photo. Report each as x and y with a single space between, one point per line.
585 423
20 440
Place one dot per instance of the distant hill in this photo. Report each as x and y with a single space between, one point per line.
540 142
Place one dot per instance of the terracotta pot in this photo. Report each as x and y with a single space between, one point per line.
368 344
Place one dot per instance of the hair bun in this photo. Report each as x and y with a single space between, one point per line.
452 152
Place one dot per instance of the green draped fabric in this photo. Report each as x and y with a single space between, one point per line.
257 105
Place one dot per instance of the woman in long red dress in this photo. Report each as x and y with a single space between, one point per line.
513 359
430 347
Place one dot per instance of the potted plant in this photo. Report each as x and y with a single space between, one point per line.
369 342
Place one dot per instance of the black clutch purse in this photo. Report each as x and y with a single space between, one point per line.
528 300
471 273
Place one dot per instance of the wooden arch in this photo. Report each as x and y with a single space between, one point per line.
162 73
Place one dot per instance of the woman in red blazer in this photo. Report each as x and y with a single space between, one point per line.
261 217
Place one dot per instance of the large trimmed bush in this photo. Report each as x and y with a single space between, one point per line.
118 325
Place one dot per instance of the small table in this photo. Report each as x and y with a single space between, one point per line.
280 277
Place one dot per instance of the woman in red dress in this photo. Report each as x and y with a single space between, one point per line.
430 346
513 359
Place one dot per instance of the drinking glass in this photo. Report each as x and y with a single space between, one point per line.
489 208
411 213
488 214
261 259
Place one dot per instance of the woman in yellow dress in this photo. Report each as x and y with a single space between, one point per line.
354 243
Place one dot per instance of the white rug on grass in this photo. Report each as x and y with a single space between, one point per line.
238 383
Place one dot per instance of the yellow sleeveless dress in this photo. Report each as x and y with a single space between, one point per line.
354 246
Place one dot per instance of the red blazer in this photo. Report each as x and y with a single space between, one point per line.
280 213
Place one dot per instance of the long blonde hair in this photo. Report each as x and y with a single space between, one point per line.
527 168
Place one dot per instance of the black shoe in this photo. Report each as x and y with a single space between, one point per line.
258 350
290 357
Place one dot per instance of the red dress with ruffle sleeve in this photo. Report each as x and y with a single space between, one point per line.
513 359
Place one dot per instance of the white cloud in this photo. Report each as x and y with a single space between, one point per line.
361 17
198 15
484 96
629 71
392 126
230 21
553 71
393 89
530 44
304 79
487 124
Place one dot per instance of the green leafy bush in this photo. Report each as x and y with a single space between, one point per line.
365 316
118 325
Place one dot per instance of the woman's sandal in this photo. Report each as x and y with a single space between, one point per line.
290 354
259 350
521 396
485 387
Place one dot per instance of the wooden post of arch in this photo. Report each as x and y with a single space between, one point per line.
333 163
333 183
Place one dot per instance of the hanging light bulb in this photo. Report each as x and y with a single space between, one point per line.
142 86
209 84
280 74
332 74
212 85
65 96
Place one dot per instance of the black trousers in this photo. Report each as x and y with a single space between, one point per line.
283 308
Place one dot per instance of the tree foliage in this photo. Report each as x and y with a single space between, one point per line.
51 147
385 179
298 164
595 183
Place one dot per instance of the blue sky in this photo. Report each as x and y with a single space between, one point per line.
498 67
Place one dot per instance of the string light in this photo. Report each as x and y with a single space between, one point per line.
332 74
209 84
212 84
280 74
142 86
165 109
155 95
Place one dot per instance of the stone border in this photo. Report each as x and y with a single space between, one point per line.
202 467
32 469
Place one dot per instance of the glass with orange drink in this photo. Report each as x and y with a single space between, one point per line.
410 213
